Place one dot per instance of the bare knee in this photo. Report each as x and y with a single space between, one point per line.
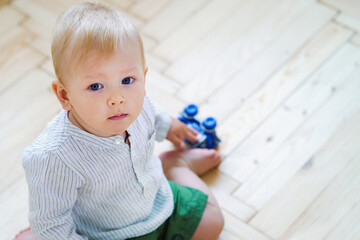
219 223
170 160
211 224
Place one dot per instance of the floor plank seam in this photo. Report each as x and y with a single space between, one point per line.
327 5
15 81
13 6
168 63
42 68
354 31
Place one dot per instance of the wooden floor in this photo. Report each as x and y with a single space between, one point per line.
281 76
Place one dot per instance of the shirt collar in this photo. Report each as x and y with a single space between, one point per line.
91 139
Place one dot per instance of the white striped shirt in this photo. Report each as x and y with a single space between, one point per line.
83 186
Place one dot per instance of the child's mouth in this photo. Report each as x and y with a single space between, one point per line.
118 117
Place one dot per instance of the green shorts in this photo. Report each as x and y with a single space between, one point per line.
189 205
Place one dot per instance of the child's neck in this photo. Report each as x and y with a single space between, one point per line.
125 135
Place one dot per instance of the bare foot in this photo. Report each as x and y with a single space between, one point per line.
198 160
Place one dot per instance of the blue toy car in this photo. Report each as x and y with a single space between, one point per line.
207 137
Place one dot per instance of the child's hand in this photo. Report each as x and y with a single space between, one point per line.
178 131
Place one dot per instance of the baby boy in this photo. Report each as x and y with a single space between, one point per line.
92 173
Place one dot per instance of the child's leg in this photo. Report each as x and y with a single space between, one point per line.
183 167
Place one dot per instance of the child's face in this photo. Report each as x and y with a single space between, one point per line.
105 97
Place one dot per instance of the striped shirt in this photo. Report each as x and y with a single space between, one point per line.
82 186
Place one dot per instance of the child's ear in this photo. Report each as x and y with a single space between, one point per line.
61 94
145 72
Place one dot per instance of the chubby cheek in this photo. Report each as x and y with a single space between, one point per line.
96 109
138 101
88 107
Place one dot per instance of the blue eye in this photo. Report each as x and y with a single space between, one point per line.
127 80
95 86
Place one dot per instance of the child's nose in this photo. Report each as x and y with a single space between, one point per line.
116 100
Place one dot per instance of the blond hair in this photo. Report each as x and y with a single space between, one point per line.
89 28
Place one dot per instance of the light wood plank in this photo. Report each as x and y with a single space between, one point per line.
155 62
9 18
246 158
233 205
41 19
171 17
55 8
250 114
356 39
48 67
351 22
52 7
219 181
43 46
16 58
255 73
226 51
171 104
23 92
293 199
225 235
348 228
195 28
43 30
349 7
222 41
305 141
162 82
240 229
148 42
336 202
147 9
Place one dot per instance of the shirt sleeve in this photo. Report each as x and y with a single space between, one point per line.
52 195
162 120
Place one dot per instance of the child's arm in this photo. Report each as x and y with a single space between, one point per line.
171 128
162 119
52 195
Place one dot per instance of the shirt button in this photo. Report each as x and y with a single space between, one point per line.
117 141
